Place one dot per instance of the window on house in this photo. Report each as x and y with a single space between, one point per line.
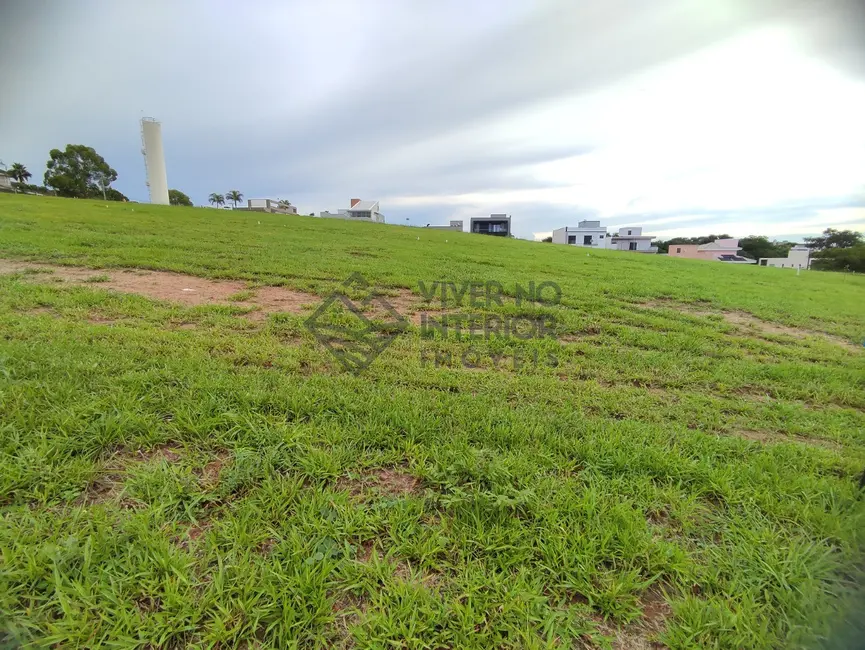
572 239
629 232
601 237
587 240
678 250
632 246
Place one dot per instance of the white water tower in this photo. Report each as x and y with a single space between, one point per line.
154 160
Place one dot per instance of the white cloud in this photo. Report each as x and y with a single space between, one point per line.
672 114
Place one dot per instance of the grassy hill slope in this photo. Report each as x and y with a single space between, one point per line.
684 473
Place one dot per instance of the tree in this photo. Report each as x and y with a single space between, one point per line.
759 246
548 240
664 246
849 258
176 197
114 195
234 196
216 199
78 172
19 173
834 239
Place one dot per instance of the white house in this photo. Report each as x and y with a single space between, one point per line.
270 205
498 225
590 234
455 224
720 250
357 211
799 257
631 238
5 182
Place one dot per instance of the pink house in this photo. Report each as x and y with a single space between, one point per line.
720 250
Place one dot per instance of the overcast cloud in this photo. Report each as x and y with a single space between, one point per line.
685 116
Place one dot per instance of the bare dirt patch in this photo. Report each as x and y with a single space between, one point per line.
769 437
209 474
191 534
96 319
108 484
188 290
347 611
748 322
640 634
386 482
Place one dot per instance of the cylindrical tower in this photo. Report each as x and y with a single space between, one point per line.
154 160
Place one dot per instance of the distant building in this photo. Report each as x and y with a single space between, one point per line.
358 211
455 224
631 238
5 182
590 234
799 257
269 205
495 224
720 250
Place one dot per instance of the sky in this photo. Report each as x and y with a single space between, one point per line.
686 117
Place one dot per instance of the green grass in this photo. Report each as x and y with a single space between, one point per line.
174 477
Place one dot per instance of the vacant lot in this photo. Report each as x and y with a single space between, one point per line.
184 464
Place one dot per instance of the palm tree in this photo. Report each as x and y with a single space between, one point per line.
216 199
19 173
234 196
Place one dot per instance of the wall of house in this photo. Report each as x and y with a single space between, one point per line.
691 251
796 258
643 245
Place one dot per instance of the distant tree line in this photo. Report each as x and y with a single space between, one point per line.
834 250
78 172
837 250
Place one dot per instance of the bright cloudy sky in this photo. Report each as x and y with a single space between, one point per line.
684 116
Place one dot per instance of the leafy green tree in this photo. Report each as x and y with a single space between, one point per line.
548 240
759 246
216 199
849 258
834 239
78 172
114 195
19 173
664 246
176 197
234 196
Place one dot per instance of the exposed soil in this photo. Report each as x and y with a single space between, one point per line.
639 634
347 610
748 322
210 474
188 290
768 437
108 485
388 482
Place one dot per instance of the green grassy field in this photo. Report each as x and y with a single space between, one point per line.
684 475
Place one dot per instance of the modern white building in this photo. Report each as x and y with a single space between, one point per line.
799 257
495 224
269 205
455 224
5 182
631 238
590 234
720 250
357 211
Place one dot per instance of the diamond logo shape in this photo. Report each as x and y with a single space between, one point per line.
355 332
